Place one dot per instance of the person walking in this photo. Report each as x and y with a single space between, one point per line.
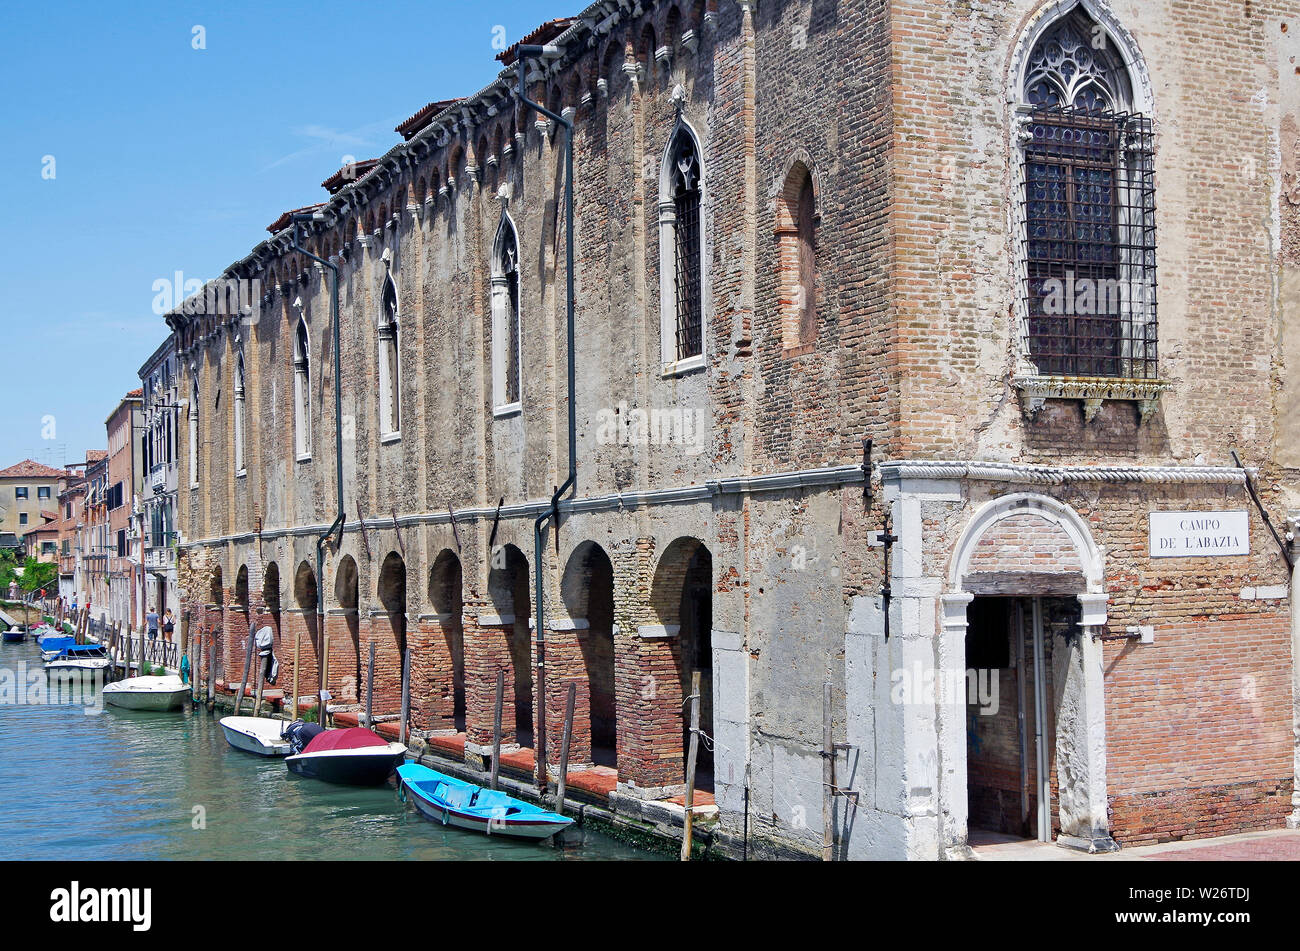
168 624
151 623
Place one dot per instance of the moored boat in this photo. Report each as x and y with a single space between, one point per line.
15 634
261 735
52 644
455 802
147 693
79 657
353 757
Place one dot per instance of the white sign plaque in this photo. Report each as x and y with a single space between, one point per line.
1199 534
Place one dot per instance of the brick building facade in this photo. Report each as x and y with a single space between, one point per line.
813 241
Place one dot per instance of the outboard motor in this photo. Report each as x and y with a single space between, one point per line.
299 733
265 641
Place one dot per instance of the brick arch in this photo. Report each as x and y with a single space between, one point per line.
442 695
1029 525
344 628
584 654
798 220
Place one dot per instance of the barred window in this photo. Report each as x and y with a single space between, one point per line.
686 203
681 252
1088 209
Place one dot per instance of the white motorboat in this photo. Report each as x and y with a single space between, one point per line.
147 693
260 735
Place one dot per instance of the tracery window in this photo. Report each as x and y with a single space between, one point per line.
1088 209
389 389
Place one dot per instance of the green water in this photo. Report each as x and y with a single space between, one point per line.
127 785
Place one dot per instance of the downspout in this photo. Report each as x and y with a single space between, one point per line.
338 448
524 52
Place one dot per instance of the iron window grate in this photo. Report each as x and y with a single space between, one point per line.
1089 243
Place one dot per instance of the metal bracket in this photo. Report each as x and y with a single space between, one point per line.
492 539
398 530
365 537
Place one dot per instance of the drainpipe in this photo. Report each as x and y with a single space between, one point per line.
338 447
524 53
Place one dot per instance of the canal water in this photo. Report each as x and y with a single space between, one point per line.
127 785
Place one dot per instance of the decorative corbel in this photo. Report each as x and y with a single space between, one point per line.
1091 407
690 41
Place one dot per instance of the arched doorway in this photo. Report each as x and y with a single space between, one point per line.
348 595
271 595
446 594
1025 599
510 596
307 598
682 595
587 590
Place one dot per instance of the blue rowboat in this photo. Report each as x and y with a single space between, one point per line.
15 635
454 802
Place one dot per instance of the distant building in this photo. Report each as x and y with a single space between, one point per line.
91 582
123 504
158 488
26 489
72 504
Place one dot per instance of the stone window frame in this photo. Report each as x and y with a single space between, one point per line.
302 390
505 403
389 354
1034 388
672 363
194 427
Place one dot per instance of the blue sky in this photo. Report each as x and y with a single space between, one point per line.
169 158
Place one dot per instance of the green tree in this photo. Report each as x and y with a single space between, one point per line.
38 575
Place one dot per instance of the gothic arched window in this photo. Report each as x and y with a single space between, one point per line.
1088 207
240 415
390 413
302 390
505 317
681 250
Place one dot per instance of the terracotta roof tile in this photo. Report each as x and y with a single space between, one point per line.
539 37
423 117
347 174
279 224
29 469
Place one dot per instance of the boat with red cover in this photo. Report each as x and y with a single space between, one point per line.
353 757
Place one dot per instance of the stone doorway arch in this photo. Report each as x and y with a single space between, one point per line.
1030 547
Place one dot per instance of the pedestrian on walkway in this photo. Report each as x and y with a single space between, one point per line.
151 622
169 624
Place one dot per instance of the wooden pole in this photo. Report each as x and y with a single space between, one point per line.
297 638
828 778
196 655
564 747
248 663
126 666
496 726
257 702
370 688
212 669
690 764
406 694
324 679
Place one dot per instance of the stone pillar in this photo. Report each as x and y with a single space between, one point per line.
1081 738
383 630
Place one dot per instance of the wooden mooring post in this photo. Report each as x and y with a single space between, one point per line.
248 662
496 726
562 779
406 694
370 688
212 669
257 702
323 718
691 754
297 638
